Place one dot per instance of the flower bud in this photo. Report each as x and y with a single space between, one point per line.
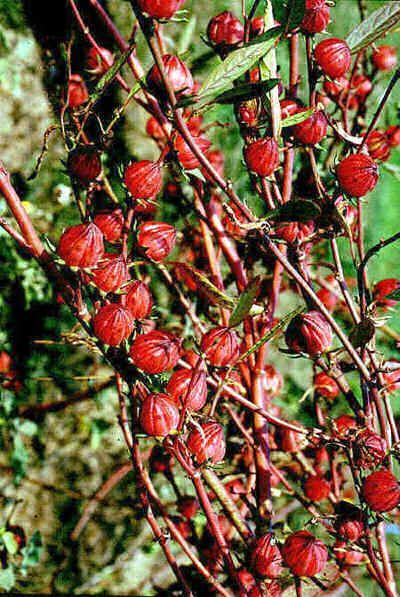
225 30
369 448
317 488
393 135
326 386
309 333
113 324
157 239
385 58
265 557
378 146
84 164
312 130
77 92
177 73
160 9
185 155
316 16
155 352
143 179
333 56
139 300
350 522
304 554
381 491
110 273
111 224
188 388
207 442
98 61
357 174
262 156
158 415
81 245
220 346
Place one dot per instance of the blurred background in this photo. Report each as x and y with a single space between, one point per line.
51 464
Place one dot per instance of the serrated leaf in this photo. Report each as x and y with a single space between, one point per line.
7 579
246 92
394 296
295 211
375 26
237 64
10 542
296 13
297 118
245 302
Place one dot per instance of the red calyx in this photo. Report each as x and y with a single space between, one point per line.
378 146
77 91
188 506
346 556
309 333
350 522
393 135
220 346
316 17
157 239
225 30
381 491
304 554
385 58
113 324
99 61
265 557
81 245
312 130
178 74
5 362
207 442
84 164
155 352
188 388
262 156
357 174
317 488
139 300
160 9
143 179
344 425
111 224
362 87
158 415
326 386
110 273
185 155
333 56
295 232
370 449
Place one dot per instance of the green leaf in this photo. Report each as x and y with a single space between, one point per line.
375 26
394 296
237 64
296 13
297 118
295 211
32 551
245 302
10 542
7 579
246 92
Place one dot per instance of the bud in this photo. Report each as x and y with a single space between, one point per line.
385 58
346 556
185 155
178 75
81 245
326 386
304 554
393 135
381 491
225 30
77 92
143 179
220 346
156 352
160 9
98 61
113 324
317 488
357 174
158 415
309 333
188 506
333 56
382 289
111 224
312 130
262 156
84 164
188 388
265 557
139 300
207 442
316 16
295 232
110 273
157 238
369 448
248 113
350 522
378 146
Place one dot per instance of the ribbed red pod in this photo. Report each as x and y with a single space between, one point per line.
347 556
81 245
160 9
139 300
178 74
309 333
225 30
98 61
262 156
188 387
393 135
84 164
378 146
207 442
344 425
385 57
312 130
265 556
186 157
350 522
326 386
369 448
220 346
113 324
304 554
156 352
316 17
110 273
157 238
381 491
316 488
158 415
111 224
143 179
333 56
77 91
357 174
